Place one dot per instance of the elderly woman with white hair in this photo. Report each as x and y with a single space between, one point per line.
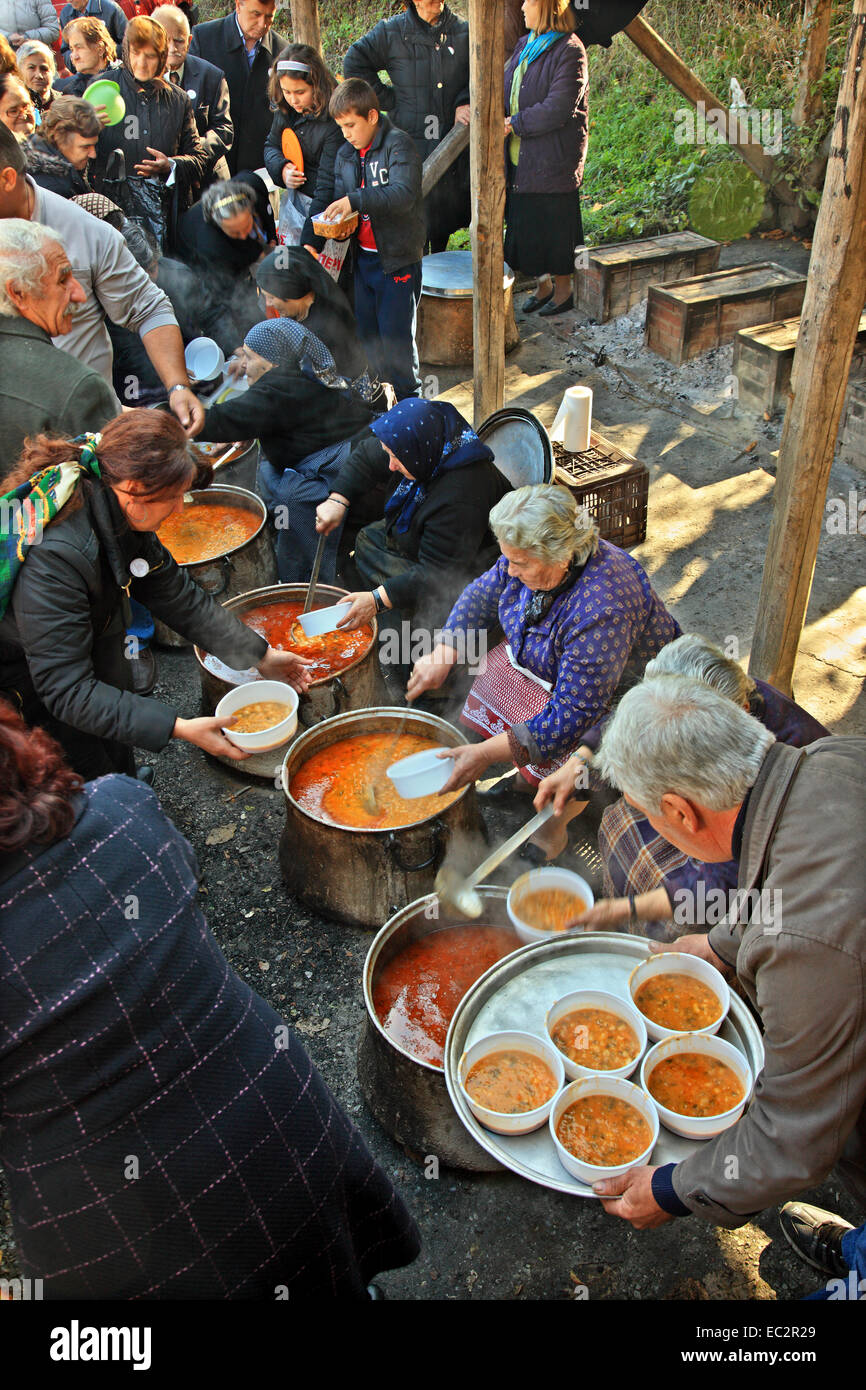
650 885
38 70
580 619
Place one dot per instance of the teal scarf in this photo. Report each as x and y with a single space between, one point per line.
535 46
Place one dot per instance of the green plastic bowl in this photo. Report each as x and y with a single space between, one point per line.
107 94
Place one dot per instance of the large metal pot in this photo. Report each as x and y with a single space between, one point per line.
445 310
245 566
358 686
236 464
409 1097
363 876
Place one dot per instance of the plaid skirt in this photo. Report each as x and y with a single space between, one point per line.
636 860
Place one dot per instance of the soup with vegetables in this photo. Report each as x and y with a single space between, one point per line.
549 909
278 623
603 1130
206 531
691 1083
679 1002
334 782
416 994
255 718
510 1082
596 1038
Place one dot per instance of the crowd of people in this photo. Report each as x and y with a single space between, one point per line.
121 240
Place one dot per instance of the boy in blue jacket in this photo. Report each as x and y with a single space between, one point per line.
377 173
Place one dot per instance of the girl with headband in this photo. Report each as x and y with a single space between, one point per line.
300 89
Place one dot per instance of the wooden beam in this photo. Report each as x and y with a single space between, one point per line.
813 58
662 56
828 328
487 161
305 23
444 155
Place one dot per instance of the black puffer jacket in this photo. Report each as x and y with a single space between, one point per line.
62 637
428 65
391 196
52 170
320 137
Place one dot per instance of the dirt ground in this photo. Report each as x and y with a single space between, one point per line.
497 1236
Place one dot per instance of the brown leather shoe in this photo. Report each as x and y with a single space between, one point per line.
144 671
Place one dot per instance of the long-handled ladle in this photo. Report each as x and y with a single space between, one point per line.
459 892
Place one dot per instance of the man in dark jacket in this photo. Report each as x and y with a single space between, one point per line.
425 53
244 47
42 389
377 173
206 87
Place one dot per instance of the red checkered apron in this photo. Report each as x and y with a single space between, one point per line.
503 696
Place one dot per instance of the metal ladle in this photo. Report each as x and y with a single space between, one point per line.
459 893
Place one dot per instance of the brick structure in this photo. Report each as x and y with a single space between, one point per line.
610 280
762 364
696 315
852 432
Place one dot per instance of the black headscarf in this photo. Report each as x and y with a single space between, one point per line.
290 272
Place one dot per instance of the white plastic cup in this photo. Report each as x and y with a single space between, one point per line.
323 619
421 774
204 359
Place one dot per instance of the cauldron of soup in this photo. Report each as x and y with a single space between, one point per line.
205 531
330 653
345 783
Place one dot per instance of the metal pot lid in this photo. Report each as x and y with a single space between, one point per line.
521 445
448 275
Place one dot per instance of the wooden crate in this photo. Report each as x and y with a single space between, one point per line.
763 358
611 484
696 315
616 277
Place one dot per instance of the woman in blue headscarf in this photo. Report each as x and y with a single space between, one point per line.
434 534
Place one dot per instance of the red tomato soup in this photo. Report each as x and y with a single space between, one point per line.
204 532
278 623
333 782
417 993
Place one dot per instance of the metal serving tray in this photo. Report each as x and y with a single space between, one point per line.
516 994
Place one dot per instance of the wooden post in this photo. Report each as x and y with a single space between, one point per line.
813 57
305 23
487 161
822 360
662 56
444 155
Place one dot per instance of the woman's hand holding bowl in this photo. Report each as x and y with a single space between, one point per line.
363 608
431 671
286 666
208 735
470 763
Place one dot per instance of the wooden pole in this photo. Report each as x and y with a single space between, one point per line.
834 299
305 23
662 56
444 155
813 58
487 162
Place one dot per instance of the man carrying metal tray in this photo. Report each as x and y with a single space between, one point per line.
715 783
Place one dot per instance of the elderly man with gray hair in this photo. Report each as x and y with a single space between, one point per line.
42 389
716 783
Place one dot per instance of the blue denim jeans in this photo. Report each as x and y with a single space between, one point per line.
854 1287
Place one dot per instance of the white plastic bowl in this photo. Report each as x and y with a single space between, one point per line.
597 999
204 359
543 878
511 1042
695 1126
604 1086
252 694
421 774
321 620
680 963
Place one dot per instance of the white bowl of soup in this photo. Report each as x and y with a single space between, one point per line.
543 902
320 620
421 774
601 1126
596 1033
700 1085
510 1080
266 715
678 993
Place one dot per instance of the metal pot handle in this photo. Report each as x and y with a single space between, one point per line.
226 566
436 832
339 694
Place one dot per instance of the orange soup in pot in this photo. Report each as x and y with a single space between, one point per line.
333 783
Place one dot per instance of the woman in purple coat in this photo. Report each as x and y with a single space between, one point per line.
545 149
581 620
